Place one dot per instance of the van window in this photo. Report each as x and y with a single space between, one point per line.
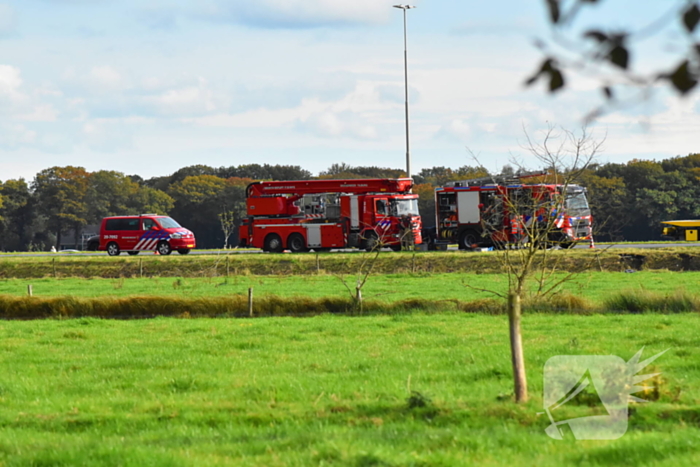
122 224
168 223
148 224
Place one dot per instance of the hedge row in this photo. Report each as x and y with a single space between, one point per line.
236 306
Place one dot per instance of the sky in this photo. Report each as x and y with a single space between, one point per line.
147 87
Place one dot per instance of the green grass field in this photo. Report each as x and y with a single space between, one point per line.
595 286
327 390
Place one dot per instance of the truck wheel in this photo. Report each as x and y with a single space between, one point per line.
296 243
164 248
273 244
468 239
132 253
371 241
396 247
183 251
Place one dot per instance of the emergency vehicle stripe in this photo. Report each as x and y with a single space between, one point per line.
150 239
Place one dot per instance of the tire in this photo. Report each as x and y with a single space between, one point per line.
296 243
113 249
468 239
184 251
396 247
371 241
133 253
273 243
164 249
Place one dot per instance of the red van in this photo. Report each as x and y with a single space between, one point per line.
149 232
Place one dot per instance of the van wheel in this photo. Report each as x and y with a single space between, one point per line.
273 244
296 243
183 251
164 248
132 253
113 249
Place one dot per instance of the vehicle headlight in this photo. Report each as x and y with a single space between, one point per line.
176 235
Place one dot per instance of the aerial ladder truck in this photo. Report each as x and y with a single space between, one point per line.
326 214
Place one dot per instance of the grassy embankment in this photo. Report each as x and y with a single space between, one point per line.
675 259
328 391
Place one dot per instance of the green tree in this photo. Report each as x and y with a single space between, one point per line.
109 194
151 200
199 200
609 202
62 198
21 225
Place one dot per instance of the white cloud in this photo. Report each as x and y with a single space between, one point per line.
40 113
187 101
338 125
10 82
8 20
106 78
456 129
106 136
297 13
16 136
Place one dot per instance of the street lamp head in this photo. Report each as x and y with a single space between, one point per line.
404 7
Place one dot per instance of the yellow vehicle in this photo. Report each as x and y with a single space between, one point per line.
681 230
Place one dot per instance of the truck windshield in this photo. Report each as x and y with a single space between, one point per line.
577 204
404 207
168 223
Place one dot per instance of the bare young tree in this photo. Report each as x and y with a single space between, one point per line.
228 225
535 218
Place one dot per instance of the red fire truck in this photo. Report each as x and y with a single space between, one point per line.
473 214
324 214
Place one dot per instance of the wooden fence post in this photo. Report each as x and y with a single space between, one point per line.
250 301
29 289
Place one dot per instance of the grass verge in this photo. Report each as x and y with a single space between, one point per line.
675 259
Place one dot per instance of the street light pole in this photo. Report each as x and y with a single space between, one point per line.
405 74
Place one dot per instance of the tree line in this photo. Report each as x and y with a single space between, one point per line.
628 201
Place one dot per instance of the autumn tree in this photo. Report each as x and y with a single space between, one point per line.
20 221
62 198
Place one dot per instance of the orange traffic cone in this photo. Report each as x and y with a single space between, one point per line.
592 245
155 252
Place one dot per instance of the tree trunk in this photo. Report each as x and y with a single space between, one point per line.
358 296
516 348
